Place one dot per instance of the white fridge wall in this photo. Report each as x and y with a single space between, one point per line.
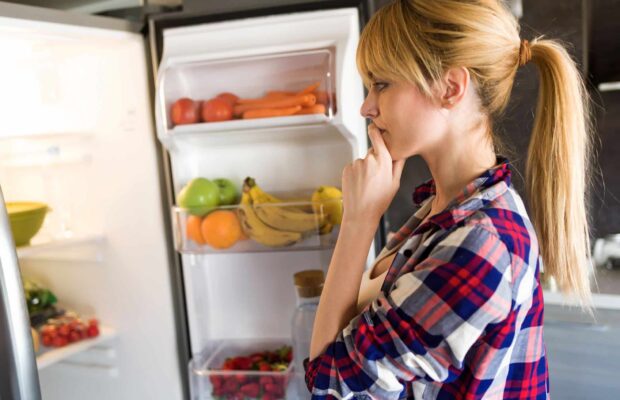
59 79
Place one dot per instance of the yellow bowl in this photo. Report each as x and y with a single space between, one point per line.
26 219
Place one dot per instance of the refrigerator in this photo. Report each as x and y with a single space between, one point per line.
88 130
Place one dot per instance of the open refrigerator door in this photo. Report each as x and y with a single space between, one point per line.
278 146
77 138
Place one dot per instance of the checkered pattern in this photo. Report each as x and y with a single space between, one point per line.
460 313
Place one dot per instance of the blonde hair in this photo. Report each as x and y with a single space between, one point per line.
416 41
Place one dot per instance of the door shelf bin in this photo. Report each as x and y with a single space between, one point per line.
268 77
210 381
267 227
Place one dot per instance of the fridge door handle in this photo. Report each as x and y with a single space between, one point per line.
19 377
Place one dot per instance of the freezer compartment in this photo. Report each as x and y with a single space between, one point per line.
264 227
288 88
232 371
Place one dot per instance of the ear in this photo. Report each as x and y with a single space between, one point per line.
454 86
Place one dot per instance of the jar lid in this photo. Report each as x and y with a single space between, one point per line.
309 278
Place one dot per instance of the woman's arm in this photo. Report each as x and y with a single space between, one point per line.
368 187
338 304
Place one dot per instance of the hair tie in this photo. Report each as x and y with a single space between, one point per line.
525 53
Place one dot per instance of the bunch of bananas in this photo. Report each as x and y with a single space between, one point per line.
268 221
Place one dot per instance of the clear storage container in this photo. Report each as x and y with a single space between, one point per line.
210 381
289 88
285 225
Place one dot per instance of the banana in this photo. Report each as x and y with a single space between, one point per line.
259 231
282 217
270 198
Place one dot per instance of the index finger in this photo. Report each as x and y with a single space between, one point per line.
377 141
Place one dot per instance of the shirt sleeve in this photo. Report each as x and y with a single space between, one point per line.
426 324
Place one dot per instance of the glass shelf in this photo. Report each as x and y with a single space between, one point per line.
265 227
50 356
89 248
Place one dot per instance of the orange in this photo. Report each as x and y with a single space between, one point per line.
193 229
221 229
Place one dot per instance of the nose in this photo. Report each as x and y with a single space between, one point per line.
369 107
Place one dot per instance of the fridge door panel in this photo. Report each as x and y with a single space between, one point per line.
18 374
238 296
67 80
187 66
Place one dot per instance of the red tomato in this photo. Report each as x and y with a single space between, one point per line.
64 330
185 111
228 97
92 331
47 340
74 336
216 110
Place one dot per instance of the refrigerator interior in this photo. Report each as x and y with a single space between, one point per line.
245 294
77 135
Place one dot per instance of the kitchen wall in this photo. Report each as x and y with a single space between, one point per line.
562 20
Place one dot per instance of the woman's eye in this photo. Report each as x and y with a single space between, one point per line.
379 86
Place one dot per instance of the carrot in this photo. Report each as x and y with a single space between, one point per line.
315 109
305 100
310 88
276 93
271 112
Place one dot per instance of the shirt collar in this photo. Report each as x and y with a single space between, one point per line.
488 186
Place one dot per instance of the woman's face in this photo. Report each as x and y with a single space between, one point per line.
409 121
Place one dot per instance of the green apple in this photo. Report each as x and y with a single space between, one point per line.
199 196
228 191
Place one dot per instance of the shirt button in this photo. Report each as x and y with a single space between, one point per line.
407 253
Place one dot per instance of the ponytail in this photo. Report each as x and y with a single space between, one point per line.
558 166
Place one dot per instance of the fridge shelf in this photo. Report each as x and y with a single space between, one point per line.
88 248
49 355
247 88
210 381
265 227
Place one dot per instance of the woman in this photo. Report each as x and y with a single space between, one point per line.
457 312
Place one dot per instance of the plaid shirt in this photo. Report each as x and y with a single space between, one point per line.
460 314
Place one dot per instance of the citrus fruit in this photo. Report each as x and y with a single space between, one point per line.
221 229
193 229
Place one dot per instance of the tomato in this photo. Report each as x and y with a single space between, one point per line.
185 111
216 110
64 330
47 340
92 331
228 97
74 336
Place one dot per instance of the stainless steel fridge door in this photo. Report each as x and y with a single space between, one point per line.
19 377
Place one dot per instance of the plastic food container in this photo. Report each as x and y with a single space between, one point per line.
209 381
286 88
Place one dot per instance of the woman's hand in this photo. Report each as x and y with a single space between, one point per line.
370 184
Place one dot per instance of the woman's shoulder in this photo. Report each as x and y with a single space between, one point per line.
506 218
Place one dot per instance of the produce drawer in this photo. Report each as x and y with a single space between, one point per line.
232 371
285 225
295 86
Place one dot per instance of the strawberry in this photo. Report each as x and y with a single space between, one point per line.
243 363
229 365
250 389
263 380
263 366
230 386
92 331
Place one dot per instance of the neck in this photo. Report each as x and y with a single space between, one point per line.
456 164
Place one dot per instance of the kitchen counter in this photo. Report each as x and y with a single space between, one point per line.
605 291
